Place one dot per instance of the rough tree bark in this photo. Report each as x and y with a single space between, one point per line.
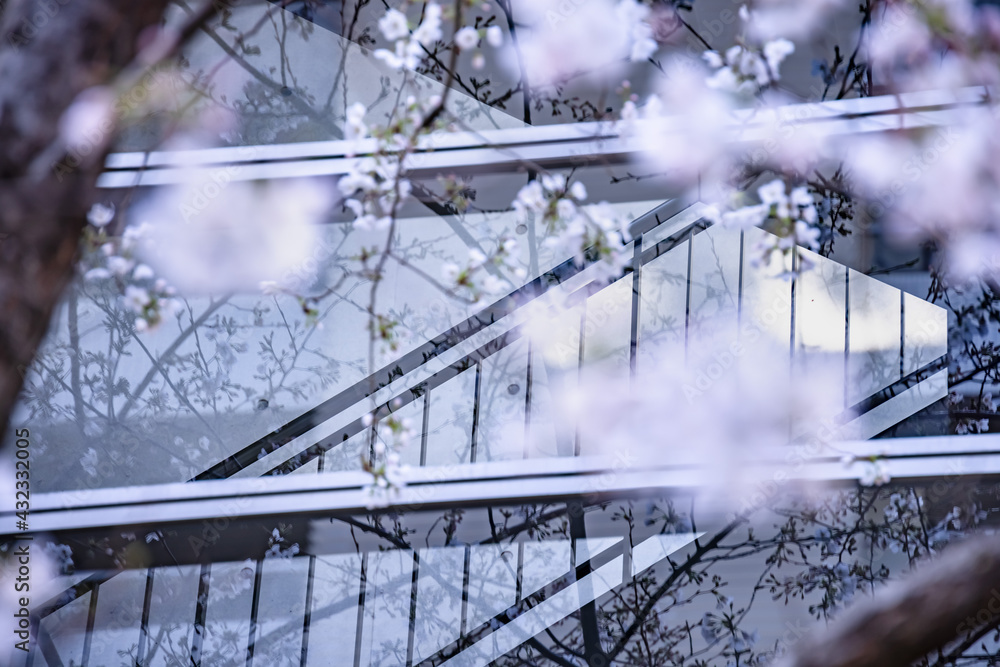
943 603
50 52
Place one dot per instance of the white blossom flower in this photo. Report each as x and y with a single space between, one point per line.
476 258
745 217
773 194
494 36
354 125
429 30
269 287
136 298
100 215
99 273
791 19
553 182
143 272
120 265
89 462
679 128
494 285
531 197
900 35
806 235
565 208
467 38
713 59
875 473
393 25
371 223
89 120
775 53
558 40
247 233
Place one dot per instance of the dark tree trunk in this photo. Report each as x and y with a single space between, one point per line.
51 50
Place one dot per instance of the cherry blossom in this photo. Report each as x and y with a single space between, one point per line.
627 418
467 38
494 36
680 128
408 48
89 120
100 215
743 70
394 25
574 228
208 238
558 39
772 19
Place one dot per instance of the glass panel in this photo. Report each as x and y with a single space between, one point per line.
766 307
227 621
555 370
385 633
438 620
502 403
117 623
281 611
663 310
544 562
607 334
171 616
67 629
347 455
492 582
715 282
308 468
820 317
449 425
607 328
925 333
874 336
336 590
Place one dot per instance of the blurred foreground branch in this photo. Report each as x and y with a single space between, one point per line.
943 602
50 52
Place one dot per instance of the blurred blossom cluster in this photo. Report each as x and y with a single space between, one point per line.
725 411
591 38
217 235
940 185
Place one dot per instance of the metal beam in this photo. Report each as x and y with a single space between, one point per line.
478 484
549 146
